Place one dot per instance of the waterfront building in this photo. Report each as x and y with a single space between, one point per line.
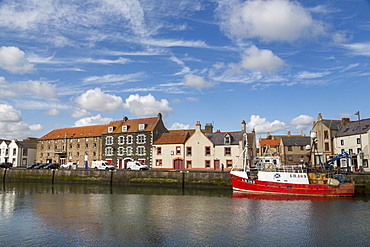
354 139
131 140
19 153
324 131
79 145
293 150
202 149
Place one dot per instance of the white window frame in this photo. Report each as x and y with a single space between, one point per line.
141 126
140 150
109 140
110 129
124 128
140 139
129 139
120 151
129 151
121 140
108 151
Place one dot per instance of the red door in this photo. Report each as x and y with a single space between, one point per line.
178 164
217 164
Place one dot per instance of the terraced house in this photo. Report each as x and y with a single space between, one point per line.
131 139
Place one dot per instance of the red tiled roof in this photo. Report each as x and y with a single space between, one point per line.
270 142
75 132
172 138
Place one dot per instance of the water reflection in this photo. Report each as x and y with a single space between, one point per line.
39 214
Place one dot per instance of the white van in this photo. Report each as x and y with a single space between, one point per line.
101 165
135 165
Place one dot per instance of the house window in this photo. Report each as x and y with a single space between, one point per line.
188 151
25 151
124 128
108 151
229 163
110 129
290 148
94 154
129 151
70 145
290 158
70 155
178 150
227 151
86 145
94 145
358 150
326 134
207 164
140 139
207 151
141 126
188 164
159 150
326 146
140 150
158 162
120 151
129 139
109 140
302 148
358 141
342 142
121 140
14 151
227 140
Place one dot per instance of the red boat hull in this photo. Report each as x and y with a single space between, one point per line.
257 186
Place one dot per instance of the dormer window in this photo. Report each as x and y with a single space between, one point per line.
227 139
141 126
110 129
124 128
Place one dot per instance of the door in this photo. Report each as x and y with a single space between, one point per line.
217 164
178 164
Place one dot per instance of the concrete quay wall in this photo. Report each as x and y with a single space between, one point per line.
173 178
165 178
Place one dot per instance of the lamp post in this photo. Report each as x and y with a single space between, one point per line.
361 155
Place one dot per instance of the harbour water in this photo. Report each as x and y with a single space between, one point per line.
37 214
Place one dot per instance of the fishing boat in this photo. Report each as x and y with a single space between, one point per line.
268 175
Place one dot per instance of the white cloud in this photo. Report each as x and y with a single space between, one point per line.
112 78
94 120
41 89
359 48
271 20
302 122
36 127
99 101
261 125
79 113
180 126
198 82
311 75
9 114
12 59
193 99
53 112
146 106
261 60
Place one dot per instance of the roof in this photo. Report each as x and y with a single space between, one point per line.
332 124
172 138
76 132
217 138
267 142
29 145
133 124
354 128
296 141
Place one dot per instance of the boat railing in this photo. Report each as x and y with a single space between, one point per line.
284 169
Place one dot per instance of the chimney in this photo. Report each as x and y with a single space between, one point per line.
289 134
159 115
319 117
125 118
301 133
208 128
198 126
244 127
345 121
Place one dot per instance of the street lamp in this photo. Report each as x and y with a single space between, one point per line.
359 129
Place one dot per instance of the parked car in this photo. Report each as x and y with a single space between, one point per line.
6 165
102 165
31 166
51 166
40 166
135 165
68 165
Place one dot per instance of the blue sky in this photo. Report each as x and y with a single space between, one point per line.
275 64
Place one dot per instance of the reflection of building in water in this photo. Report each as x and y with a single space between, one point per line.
7 203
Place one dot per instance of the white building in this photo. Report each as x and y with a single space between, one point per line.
19 153
353 138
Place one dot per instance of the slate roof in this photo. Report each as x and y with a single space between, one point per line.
354 128
29 145
172 138
217 138
332 124
296 141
